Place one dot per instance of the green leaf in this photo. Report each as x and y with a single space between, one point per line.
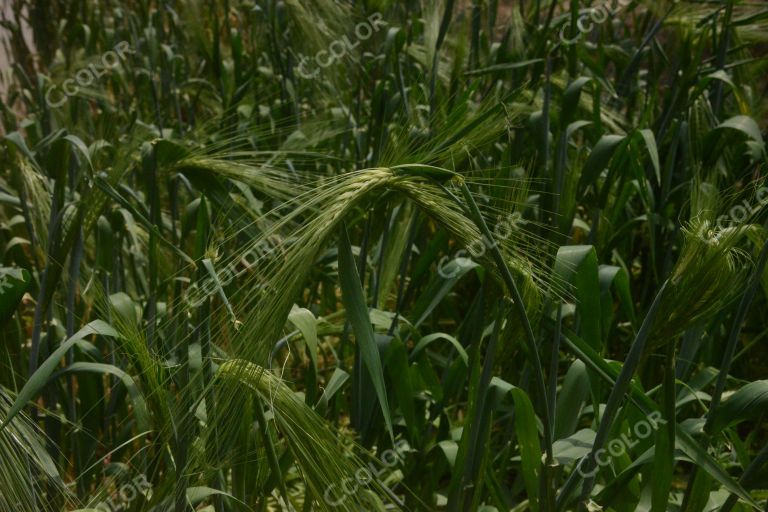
570 400
577 265
616 277
573 447
571 97
399 371
430 338
527 437
747 403
450 450
335 383
38 379
731 131
126 308
599 157
357 313
683 440
196 495
690 447
744 124
14 283
653 152
169 152
306 323
139 404
574 127
394 250
80 146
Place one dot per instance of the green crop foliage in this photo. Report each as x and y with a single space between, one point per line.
321 255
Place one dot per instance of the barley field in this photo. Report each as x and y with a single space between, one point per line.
336 255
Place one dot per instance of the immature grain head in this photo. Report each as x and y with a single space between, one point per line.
324 459
709 274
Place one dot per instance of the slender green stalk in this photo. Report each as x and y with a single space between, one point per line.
618 392
517 299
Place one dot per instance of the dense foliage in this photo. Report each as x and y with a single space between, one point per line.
312 255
